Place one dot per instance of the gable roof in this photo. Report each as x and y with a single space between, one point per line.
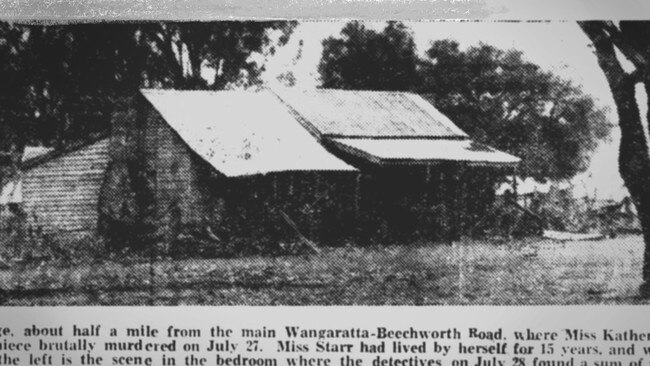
256 132
373 114
242 132
41 155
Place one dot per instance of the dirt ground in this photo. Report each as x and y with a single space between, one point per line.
531 271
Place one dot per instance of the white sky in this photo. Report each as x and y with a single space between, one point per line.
560 47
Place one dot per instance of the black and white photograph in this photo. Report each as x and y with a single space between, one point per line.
148 162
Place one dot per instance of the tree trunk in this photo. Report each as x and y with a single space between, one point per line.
641 199
634 159
634 166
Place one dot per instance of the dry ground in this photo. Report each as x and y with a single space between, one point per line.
529 271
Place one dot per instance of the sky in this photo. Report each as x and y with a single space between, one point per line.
556 46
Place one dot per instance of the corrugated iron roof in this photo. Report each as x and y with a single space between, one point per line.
352 113
242 132
425 151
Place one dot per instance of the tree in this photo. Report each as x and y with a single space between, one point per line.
13 87
73 73
630 40
13 111
63 80
502 100
177 52
365 59
494 95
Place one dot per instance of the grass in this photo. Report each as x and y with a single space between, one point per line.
531 271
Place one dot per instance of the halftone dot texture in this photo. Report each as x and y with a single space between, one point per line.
500 270
532 272
500 257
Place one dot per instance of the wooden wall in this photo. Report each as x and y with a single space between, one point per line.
176 176
438 202
155 183
265 208
62 194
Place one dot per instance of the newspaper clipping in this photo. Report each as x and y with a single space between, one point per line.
349 336
334 183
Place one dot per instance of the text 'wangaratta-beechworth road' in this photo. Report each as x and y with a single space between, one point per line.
379 333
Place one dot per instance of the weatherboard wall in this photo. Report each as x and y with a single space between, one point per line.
62 193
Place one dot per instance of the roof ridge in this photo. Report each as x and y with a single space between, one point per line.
42 159
368 91
397 137
173 90
302 120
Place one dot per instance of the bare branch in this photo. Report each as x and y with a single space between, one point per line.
605 52
634 161
616 36
164 41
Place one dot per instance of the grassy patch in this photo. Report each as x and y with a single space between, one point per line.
468 272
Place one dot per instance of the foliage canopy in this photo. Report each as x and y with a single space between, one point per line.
494 95
60 82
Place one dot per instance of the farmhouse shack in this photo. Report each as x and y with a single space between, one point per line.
267 167
273 166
